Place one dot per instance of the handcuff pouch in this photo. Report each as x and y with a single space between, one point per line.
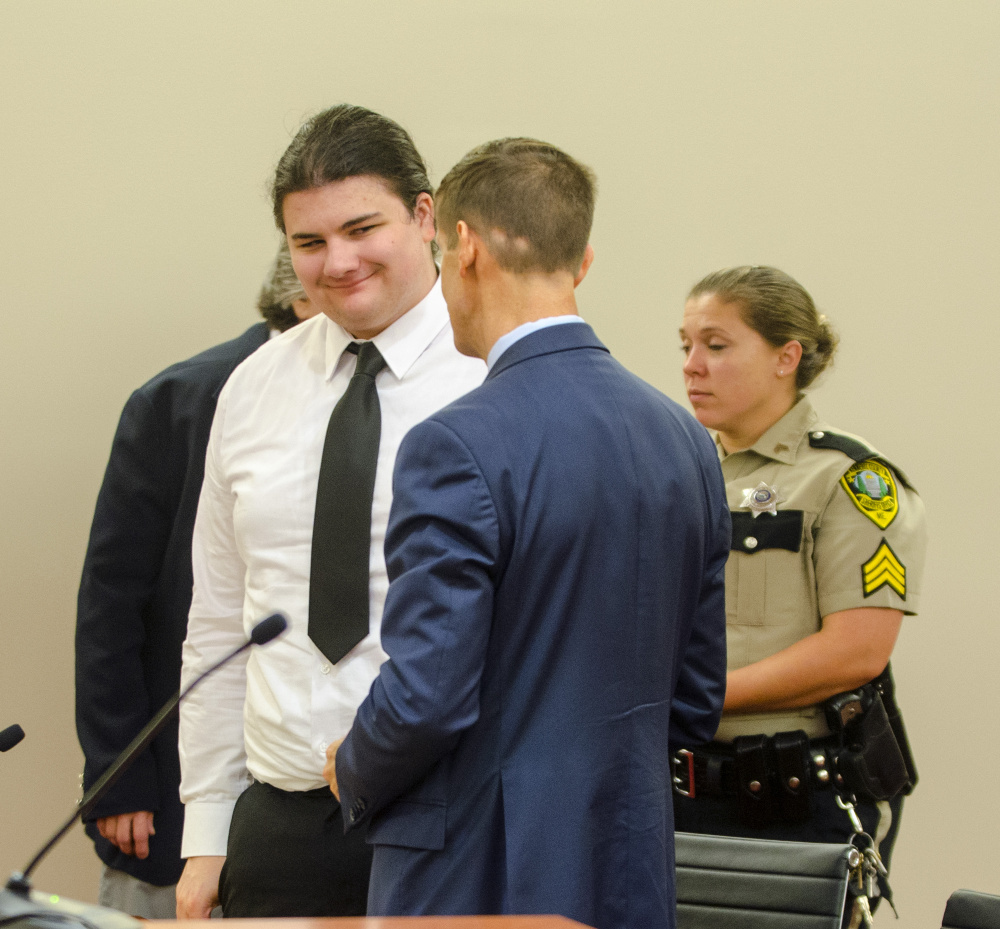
793 775
754 793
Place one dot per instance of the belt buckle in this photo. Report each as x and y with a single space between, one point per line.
684 758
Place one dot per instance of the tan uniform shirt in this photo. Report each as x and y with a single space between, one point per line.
843 534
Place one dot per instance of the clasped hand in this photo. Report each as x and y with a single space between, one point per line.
330 768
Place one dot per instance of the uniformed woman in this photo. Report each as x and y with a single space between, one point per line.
827 555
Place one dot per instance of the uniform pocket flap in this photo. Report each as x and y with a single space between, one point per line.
768 530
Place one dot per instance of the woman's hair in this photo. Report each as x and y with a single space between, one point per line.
779 309
281 289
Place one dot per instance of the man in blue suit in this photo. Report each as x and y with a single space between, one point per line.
555 617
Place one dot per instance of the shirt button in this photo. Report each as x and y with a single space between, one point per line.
325 669
750 542
322 747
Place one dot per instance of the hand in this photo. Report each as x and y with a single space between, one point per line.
198 888
330 768
129 832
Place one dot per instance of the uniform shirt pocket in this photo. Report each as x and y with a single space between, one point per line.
769 547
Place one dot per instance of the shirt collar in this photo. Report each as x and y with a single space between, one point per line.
515 335
781 442
402 343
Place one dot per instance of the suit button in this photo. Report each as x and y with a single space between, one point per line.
357 809
750 542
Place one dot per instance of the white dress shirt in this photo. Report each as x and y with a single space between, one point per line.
272 716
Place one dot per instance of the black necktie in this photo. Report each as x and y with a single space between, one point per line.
342 526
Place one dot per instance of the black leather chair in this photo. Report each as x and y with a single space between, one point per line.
968 909
724 883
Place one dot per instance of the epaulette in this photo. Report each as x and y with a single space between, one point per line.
855 449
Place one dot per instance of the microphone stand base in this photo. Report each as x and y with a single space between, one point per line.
22 908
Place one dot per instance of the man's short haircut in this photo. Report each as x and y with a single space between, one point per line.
349 141
281 289
531 203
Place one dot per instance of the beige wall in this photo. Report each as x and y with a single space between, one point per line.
852 144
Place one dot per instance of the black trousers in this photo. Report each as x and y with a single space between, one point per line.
288 856
826 823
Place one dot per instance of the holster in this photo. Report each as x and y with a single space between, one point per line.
873 762
886 686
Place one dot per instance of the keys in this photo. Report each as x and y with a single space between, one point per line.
866 911
869 868
875 869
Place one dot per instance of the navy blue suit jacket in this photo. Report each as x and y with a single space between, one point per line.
136 592
555 619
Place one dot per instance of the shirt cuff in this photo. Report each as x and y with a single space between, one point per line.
206 827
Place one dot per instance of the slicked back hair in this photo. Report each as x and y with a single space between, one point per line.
531 203
349 141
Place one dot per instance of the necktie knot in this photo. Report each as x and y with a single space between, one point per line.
370 360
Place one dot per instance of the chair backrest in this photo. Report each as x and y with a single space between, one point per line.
968 909
760 884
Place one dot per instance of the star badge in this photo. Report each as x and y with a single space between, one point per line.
762 499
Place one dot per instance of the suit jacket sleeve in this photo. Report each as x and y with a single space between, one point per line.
129 534
441 552
701 674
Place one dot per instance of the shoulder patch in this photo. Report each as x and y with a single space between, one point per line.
872 488
841 443
883 569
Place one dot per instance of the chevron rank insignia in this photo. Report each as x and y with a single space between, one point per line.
872 487
884 569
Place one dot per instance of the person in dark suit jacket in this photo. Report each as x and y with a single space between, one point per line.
555 616
134 599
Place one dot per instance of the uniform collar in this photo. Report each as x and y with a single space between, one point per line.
781 442
402 343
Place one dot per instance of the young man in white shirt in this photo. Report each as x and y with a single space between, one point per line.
352 196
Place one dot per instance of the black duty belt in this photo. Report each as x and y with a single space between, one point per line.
769 777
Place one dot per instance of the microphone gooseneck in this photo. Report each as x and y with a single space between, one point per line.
263 632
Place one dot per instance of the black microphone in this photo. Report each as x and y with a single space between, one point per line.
19 903
10 736
268 629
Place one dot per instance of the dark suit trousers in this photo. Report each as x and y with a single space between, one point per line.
288 856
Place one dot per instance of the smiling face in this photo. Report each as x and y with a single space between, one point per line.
738 383
362 258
